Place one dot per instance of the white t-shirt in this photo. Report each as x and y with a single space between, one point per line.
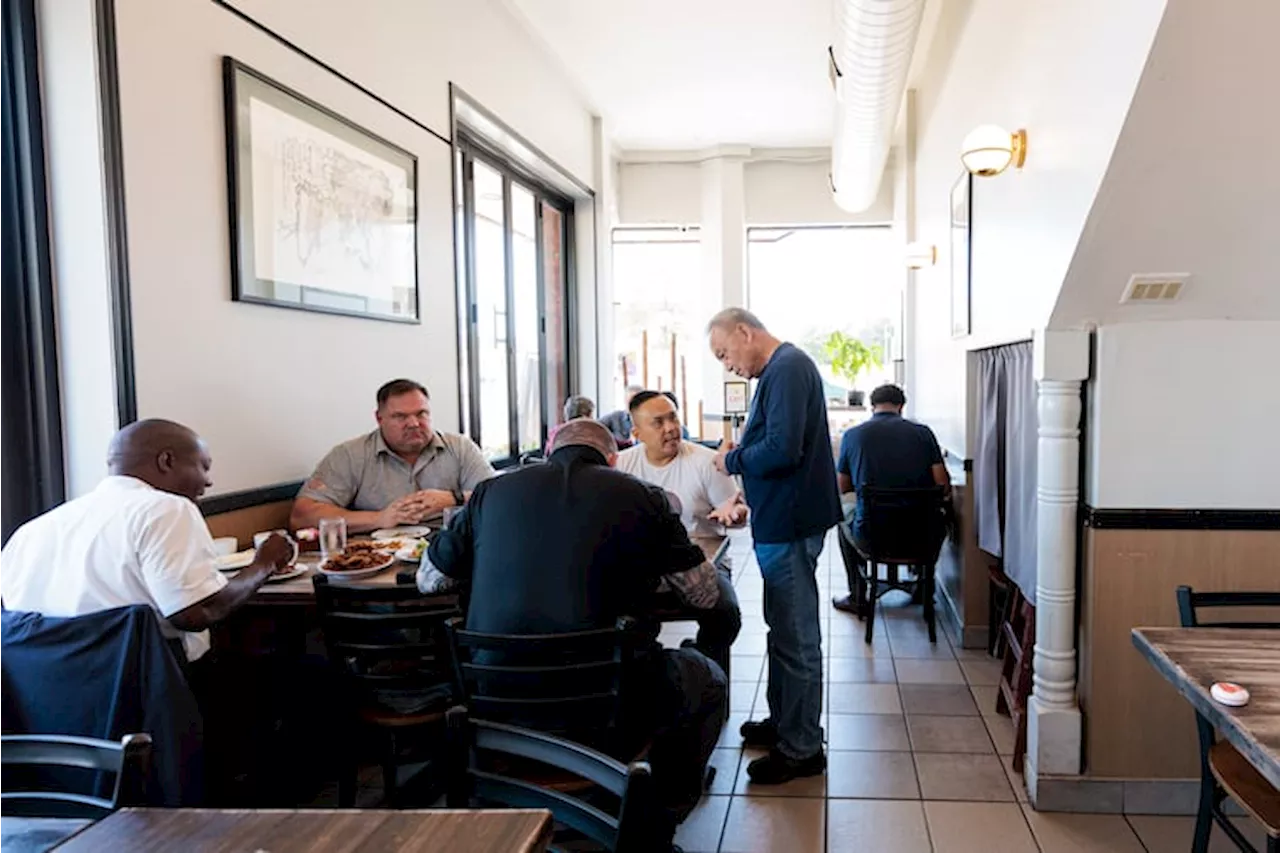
123 543
691 476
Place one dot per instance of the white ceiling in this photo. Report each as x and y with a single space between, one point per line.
687 74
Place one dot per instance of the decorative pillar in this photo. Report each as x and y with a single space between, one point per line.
1053 714
724 251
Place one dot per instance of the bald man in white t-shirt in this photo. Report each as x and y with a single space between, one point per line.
707 501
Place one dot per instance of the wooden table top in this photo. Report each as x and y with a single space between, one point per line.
300 590
281 831
1194 658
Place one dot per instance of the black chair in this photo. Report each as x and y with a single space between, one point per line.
1223 770
630 785
387 648
905 529
81 758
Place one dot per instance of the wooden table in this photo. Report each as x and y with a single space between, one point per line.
280 831
1194 658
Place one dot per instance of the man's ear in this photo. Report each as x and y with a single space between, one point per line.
612 459
164 461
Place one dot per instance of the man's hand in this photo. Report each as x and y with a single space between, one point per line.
273 554
721 454
406 510
730 513
434 501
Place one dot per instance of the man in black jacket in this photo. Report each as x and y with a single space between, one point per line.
573 545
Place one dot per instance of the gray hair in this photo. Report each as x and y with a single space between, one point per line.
585 433
729 318
578 406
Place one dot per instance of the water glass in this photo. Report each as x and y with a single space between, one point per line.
449 513
333 536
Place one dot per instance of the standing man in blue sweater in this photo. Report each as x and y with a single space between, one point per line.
789 476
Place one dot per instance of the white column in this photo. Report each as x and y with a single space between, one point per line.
724 250
1053 721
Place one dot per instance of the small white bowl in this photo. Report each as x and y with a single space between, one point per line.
225 545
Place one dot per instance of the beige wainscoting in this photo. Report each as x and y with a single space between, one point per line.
1136 725
243 523
964 573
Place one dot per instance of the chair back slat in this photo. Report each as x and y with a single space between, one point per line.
1191 602
127 761
384 640
628 832
903 525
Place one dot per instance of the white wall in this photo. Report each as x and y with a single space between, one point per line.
1067 73
1185 415
273 389
77 210
777 192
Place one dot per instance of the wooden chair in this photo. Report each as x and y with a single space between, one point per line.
1223 770
387 647
1016 646
906 529
627 831
127 761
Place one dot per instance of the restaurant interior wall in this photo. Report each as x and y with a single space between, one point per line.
270 389
1026 223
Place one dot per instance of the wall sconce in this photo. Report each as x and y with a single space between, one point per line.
921 255
988 150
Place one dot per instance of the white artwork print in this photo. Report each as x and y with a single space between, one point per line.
329 215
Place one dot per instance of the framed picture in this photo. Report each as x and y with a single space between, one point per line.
323 213
735 398
961 256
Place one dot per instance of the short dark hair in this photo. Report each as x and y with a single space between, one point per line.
396 387
889 393
643 397
671 395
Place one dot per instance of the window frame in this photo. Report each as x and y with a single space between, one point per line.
468 150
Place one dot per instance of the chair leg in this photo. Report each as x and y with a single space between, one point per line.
930 617
873 574
1204 816
390 789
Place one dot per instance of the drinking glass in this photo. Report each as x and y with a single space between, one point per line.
449 513
333 536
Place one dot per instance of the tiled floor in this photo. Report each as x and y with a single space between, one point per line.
918 758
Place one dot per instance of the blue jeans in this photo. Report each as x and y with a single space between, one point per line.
794 643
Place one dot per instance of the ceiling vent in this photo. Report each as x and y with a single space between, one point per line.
1155 287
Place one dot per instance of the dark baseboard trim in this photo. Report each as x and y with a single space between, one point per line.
232 501
1181 519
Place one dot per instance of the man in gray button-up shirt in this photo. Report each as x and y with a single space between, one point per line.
401 473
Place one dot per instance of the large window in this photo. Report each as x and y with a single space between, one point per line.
513 289
659 315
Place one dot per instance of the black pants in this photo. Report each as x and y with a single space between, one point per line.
687 697
718 626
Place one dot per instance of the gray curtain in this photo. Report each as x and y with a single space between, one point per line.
988 458
1021 434
1004 464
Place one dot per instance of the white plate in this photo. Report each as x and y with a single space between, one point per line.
234 562
410 553
358 573
407 532
288 574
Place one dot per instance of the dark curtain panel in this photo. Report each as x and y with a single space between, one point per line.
30 411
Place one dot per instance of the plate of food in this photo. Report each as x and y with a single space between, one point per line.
287 573
416 531
356 562
234 562
411 551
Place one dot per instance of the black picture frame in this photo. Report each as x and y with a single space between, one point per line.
342 201
962 256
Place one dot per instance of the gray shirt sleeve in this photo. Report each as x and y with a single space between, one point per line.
473 468
335 480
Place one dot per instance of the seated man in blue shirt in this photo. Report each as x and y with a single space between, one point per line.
889 452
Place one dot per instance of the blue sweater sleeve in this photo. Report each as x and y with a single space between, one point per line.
782 449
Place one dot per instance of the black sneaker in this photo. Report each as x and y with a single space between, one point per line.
776 768
762 734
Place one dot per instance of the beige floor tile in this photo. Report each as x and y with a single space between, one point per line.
978 828
928 671
729 736
972 654
863 699
852 646
746 667
844 625
945 699
1002 733
1058 832
982 673
922 649
725 761
700 832
985 697
750 644
742 696
848 670
872 775
770 824
890 826
867 732
1160 833
1016 780
949 734
955 776
809 786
